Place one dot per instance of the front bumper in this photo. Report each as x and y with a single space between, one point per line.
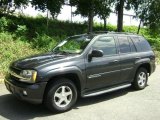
32 93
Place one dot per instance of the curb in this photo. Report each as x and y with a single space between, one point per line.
1 81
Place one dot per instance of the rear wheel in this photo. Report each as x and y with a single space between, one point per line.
141 79
61 95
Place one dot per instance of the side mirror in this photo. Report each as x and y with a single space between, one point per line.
97 53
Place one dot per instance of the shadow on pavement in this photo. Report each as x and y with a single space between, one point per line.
12 108
102 98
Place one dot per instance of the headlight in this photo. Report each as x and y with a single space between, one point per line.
28 76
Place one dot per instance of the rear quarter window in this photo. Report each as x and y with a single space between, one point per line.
145 46
141 44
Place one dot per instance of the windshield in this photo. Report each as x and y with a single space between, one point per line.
73 45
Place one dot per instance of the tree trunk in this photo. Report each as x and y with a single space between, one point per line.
139 27
105 24
90 21
120 16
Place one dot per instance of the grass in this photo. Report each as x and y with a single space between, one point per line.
22 36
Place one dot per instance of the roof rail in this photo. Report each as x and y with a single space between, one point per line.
126 33
98 32
112 32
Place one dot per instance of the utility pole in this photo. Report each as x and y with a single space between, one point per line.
71 13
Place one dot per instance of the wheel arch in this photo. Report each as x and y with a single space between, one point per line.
147 66
73 74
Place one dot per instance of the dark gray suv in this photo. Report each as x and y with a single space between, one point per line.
82 65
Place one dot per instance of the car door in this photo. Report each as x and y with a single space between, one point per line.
103 71
128 56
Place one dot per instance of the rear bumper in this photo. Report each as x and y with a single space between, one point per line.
32 93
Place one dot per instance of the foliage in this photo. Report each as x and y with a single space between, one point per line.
148 11
11 49
44 42
3 24
9 6
103 10
54 6
153 18
21 30
91 8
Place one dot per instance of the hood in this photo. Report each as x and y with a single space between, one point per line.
36 60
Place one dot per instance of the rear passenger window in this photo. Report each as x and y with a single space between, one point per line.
124 45
133 47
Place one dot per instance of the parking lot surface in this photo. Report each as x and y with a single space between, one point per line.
125 104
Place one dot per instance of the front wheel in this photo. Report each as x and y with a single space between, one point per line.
141 79
61 95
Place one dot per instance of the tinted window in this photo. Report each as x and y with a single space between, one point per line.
144 44
133 48
124 45
136 42
73 45
106 44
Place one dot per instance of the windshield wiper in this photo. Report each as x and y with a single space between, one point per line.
61 52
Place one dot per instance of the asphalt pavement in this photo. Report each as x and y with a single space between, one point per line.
125 104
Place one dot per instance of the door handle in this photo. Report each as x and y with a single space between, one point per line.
138 57
115 61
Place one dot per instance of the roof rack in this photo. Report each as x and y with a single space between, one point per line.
126 33
111 32
98 32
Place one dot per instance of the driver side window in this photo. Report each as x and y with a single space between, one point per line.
106 44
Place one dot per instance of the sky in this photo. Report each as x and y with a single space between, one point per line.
66 15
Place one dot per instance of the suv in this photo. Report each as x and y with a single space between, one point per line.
82 65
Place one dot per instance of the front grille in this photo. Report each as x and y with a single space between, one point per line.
13 77
14 73
15 70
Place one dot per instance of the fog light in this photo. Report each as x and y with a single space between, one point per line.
25 93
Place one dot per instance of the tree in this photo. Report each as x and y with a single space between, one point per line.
54 6
119 8
148 11
103 10
153 16
91 8
141 8
86 9
9 6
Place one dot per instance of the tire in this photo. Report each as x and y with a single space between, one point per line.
141 79
61 95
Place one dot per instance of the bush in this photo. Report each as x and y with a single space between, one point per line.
11 50
3 24
44 42
21 30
